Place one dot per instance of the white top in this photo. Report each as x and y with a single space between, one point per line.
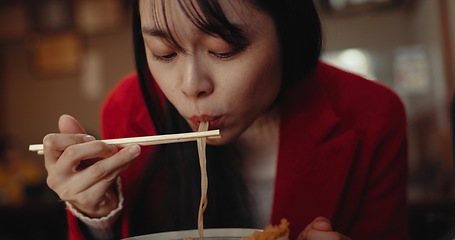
260 178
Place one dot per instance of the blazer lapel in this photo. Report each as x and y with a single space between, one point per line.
314 158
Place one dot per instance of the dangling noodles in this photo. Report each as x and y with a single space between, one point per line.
280 231
201 142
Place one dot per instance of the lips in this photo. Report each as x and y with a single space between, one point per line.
214 121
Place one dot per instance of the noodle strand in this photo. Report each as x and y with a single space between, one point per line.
201 146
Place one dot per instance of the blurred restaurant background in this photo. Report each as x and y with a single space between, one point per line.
63 56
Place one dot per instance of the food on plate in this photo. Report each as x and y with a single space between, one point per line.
272 232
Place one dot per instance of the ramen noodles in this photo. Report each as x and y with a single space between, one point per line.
280 231
201 145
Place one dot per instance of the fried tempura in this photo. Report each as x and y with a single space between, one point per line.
272 232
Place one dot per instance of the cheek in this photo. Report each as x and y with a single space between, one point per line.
262 83
249 101
164 79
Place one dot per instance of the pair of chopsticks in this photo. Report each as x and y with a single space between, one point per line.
148 140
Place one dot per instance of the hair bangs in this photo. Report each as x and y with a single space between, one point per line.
207 16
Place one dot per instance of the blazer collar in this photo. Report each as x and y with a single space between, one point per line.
314 156
310 104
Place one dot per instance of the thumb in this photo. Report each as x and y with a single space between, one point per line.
318 224
68 124
321 224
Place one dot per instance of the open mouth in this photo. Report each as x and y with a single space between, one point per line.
214 122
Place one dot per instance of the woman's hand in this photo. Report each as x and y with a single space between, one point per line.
82 170
320 229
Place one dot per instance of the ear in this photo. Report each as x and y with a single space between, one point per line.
68 124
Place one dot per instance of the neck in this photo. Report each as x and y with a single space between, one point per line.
260 140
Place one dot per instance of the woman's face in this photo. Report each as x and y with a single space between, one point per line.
211 80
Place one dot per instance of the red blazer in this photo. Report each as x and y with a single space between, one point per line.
342 154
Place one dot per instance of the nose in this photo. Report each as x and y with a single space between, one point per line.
196 80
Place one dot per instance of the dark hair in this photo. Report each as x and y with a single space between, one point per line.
174 168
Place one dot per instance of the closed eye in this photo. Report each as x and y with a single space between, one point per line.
165 58
226 55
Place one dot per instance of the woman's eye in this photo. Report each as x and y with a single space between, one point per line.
165 58
225 55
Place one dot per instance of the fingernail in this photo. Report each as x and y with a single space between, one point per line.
113 147
88 138
134 150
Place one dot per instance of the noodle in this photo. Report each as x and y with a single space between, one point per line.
201 142
270 232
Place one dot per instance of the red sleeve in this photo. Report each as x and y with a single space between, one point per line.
124 114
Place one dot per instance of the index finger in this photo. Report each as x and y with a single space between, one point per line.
68 124
55 143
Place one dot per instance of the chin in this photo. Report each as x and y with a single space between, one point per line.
219 141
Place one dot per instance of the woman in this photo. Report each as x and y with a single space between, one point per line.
301 140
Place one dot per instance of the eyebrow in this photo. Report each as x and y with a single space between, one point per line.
154 32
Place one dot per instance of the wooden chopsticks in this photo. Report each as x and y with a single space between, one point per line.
149 140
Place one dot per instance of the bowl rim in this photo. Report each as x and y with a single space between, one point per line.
208 233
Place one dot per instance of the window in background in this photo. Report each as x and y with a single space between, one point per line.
412 70
355 60
356 6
